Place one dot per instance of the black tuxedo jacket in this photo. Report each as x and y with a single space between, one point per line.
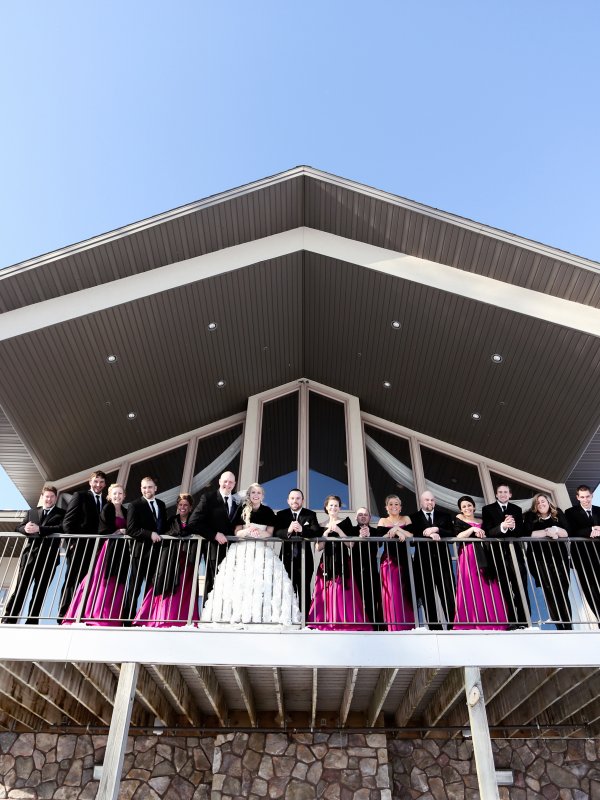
365 552
210 517
81 517
52 524
492 517
141 524
441 520
307 518
580 524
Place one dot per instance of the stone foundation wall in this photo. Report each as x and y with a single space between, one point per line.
48 766
294 767
301 766
552 769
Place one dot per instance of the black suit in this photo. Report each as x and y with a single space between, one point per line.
36 565
209 518
141 524
433 568
291 552
500 557
366 575
81 518
586 555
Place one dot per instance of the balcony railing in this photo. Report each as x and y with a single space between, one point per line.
374 584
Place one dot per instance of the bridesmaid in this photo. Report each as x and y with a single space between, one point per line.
336 602
549 561
108 578
398 610
479 601
167 603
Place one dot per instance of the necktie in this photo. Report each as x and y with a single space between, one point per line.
294 516
228 504
98 503
429 519
589 513
44 515
503 509
153 507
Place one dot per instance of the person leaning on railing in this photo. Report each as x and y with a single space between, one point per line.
397 605
39 558
479 602
336 602
584 523
99 596
548 560
168 599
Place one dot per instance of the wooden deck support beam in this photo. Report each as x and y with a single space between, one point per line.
446 697
117 734
243 681
482 744
170 681
412 698
382 689
314 697
73 682
351 676
277 677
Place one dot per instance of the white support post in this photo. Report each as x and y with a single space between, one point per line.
117 734
482 744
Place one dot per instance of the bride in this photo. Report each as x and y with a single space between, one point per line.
252 584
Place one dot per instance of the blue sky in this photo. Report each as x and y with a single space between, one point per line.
115 111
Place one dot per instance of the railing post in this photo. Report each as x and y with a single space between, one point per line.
194 593
87 578
117 734
482 745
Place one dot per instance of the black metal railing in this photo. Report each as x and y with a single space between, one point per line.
359 584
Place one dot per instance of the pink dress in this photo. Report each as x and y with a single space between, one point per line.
336 602
396 602
479 601
171 608
104 600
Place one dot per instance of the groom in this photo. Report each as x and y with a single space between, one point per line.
297 521
213 519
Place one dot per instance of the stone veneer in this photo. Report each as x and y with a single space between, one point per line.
543 769
300 766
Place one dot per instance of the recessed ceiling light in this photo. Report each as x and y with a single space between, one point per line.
396 325
132 415
476 415
220 384
387 385
497 358
212 326
112 358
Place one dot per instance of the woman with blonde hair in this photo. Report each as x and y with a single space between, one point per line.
548 556
252 585
103 588
398 612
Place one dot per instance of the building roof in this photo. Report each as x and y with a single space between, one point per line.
304 273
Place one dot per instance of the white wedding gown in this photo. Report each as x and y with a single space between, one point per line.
252 586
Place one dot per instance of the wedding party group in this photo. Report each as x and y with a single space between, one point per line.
132 565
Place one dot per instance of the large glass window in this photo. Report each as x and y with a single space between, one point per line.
328 453
448 479
215 455
167 471
278 464
389 468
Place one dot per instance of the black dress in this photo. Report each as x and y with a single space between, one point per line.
548 562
